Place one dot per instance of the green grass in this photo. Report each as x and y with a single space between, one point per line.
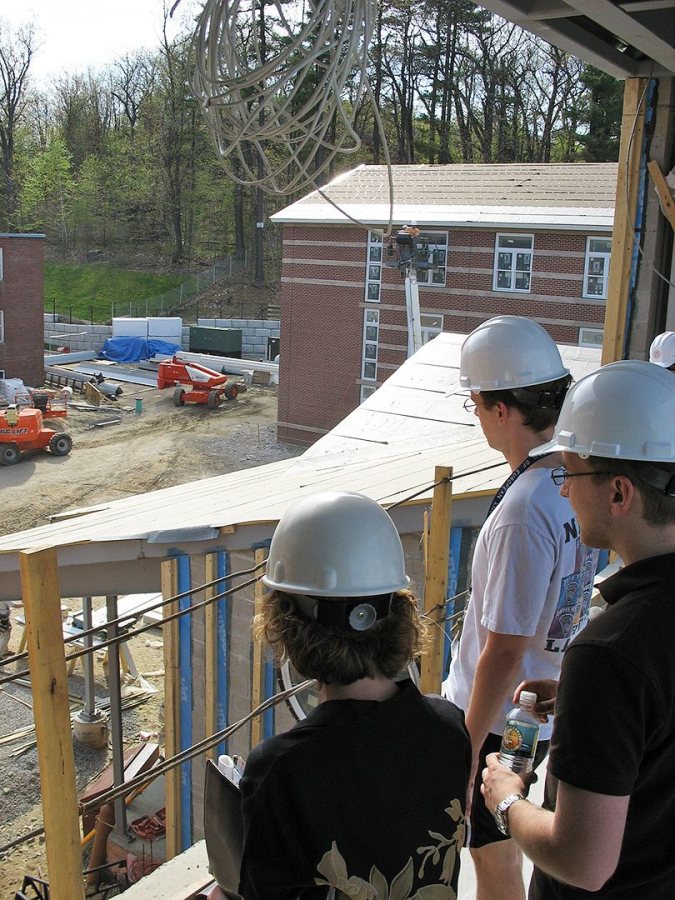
96 291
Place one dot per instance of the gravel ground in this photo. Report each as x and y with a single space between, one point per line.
159 448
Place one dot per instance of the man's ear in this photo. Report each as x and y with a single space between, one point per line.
622 495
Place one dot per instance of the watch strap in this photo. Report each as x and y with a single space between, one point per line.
501 812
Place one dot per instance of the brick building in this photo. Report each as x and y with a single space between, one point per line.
22 307
528 240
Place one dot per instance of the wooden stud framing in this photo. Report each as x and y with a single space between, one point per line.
662 189
46 655
210 660
258 667
436 578
623 234
171 709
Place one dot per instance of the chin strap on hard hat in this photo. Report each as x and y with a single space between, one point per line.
351 613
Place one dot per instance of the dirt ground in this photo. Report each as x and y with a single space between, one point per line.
160 447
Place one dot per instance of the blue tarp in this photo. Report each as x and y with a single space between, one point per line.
131 349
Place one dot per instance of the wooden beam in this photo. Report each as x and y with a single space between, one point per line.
662 189
623 234
46 655
210 660
169 581
436 578
257 674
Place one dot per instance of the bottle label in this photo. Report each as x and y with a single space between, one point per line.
519 739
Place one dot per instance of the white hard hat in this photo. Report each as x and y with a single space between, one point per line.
336 544
662 350
624 410
509 352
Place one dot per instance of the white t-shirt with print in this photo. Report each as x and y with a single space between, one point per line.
531 576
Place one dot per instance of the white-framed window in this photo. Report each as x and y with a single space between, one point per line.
374 267
2 266
2 327
432 269
371 335
596 269
366 391
590 337
431 325
513 262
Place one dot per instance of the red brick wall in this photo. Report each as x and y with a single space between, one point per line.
22 301
323 283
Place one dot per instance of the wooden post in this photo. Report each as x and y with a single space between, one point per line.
436 578
623 234
46 654
257 674
210 660
171 709
662 189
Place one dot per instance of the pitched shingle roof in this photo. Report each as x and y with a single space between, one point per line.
557 195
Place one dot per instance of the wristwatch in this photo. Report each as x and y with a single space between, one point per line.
501 813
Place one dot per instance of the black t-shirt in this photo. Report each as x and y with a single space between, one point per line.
359 790
614 729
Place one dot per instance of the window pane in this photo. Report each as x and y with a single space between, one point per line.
523 262
522 282
373 290
369 370
370 351
438 277
374 273
371 332
504 261
594 286
598 245
504 280
515 240
372 315
596 265
375 254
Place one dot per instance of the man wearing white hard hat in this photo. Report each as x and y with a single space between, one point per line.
531 576
613 746
366 795
662 350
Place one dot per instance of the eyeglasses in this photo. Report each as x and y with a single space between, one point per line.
560 475
469 405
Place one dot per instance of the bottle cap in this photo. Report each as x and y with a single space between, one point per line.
529 698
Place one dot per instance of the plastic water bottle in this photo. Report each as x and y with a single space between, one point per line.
521 733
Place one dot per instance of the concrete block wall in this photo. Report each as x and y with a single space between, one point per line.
79 337
254 334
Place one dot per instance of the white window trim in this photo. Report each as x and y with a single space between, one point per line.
587 275
495 268
585 333
424 276
366 324
2 327
430 331
374 240
2 265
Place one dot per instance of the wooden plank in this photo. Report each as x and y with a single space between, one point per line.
623 234
169 581
662 189
210 660
257 673
436 579
42 602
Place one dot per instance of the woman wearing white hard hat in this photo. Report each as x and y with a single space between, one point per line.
367 791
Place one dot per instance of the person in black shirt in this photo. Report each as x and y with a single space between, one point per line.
611 834
365 797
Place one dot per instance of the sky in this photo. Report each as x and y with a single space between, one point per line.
75 35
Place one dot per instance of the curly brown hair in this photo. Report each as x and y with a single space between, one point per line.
335 655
